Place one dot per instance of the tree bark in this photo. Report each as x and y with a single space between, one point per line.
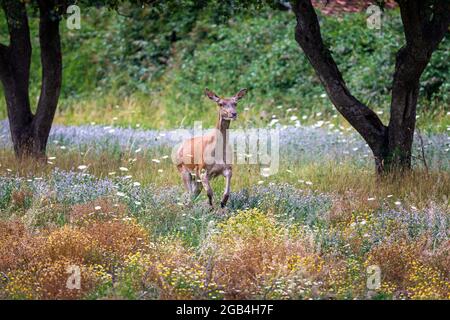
425 24
30 132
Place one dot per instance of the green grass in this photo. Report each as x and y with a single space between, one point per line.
127 68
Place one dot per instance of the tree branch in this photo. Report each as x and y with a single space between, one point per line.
4 57
19 32
308 36
440 22
16 61
51 60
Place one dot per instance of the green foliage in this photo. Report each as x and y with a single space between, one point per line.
161 53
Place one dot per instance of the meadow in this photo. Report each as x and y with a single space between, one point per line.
110 201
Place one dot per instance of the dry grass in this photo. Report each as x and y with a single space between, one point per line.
357 187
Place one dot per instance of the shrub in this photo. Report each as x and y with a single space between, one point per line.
251 252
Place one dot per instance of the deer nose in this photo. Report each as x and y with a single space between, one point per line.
234 114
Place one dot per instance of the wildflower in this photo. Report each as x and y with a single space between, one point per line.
136 184
138 150
97 208
123 169
370 199
120 194
82 167
397 203
156 160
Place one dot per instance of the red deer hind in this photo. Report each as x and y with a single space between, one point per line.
203 158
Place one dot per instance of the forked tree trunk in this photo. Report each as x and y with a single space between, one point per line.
425 24
29 132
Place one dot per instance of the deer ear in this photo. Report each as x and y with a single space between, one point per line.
240 94
214 97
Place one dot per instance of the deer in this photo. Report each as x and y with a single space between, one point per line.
202 158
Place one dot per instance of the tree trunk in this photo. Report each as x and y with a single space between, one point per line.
30 132
425 24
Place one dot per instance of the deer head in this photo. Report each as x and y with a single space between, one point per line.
227 106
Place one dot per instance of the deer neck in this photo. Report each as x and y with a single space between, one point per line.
222 126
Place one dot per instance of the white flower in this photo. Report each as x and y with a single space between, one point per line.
123 169
120 194
309 183
397 203
82 167
260 182
370 199
138 150
51 158
97 208
156 160
136 184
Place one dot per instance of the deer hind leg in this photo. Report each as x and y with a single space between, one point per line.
196 185
226 194
187 179
207 186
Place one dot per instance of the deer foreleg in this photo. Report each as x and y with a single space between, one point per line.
226 194
187 180
207 186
